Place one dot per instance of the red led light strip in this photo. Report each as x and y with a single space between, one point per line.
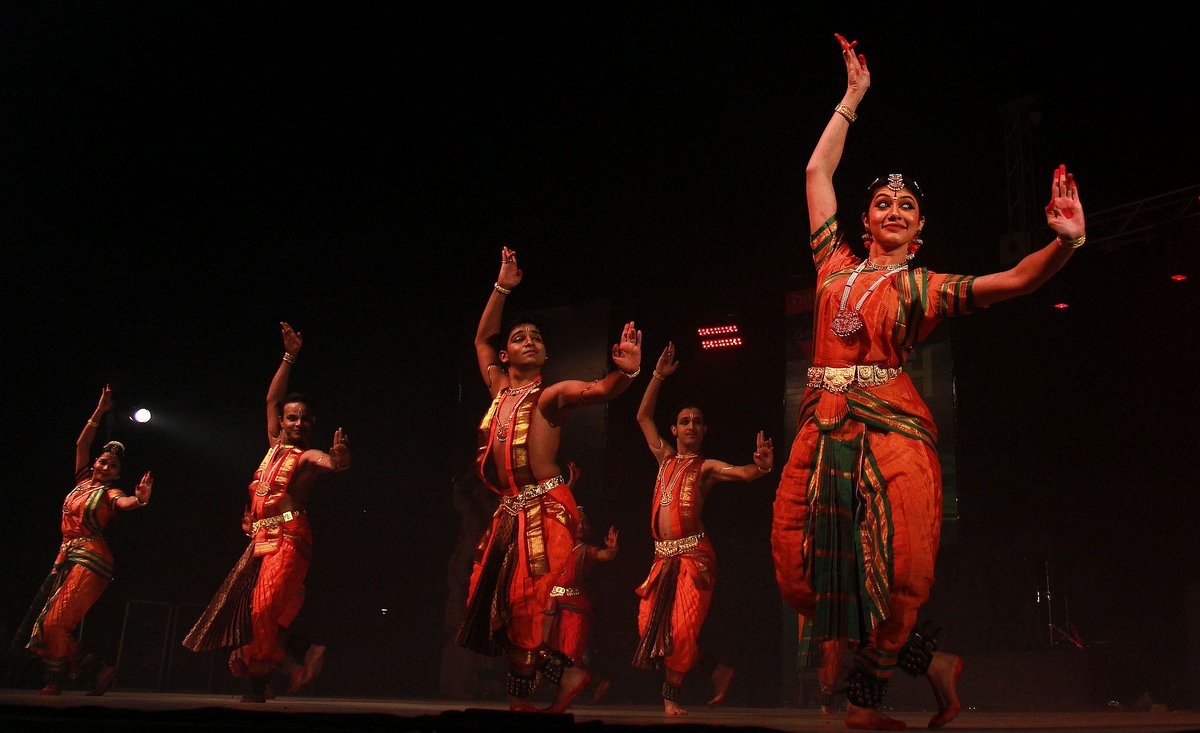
721 343
716 330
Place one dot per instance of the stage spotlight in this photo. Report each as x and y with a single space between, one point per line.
141 415
1179 278
1061 306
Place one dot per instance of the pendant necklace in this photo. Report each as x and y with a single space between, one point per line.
846 322
669 488
523 391
89 485
264 483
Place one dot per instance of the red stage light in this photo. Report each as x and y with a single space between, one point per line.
716 330
1179 278
728 334
721 343
1061 306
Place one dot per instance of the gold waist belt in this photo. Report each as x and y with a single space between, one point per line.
528 494
277 519
839 379
558 591
78 541
671 548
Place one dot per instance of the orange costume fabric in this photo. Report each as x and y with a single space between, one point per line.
857 514
570 609
286 550
81 572
676 594
265 590
528 542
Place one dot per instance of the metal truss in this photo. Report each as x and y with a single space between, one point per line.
1135 221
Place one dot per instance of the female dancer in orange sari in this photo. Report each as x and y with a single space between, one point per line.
84 565
858 511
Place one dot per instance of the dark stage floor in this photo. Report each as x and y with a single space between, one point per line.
22 710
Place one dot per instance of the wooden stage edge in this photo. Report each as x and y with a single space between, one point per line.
24 710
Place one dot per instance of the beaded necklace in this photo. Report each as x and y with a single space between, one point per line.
523 391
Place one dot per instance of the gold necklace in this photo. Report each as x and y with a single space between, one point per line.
871 264
523 391
669 488
89 485
522 388
264 482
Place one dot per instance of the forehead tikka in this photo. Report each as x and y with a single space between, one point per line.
895 182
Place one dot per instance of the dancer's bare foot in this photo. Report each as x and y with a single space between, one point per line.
573 681
943 675
50 689
237 665
870 719
828 701
292 670
670 707
722 675
601 690
259 687
104 681
303 675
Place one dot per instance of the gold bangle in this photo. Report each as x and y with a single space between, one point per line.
501 289
1072 243
632 375
93 423
289 358
846 112
658 376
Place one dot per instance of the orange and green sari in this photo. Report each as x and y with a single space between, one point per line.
857 515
